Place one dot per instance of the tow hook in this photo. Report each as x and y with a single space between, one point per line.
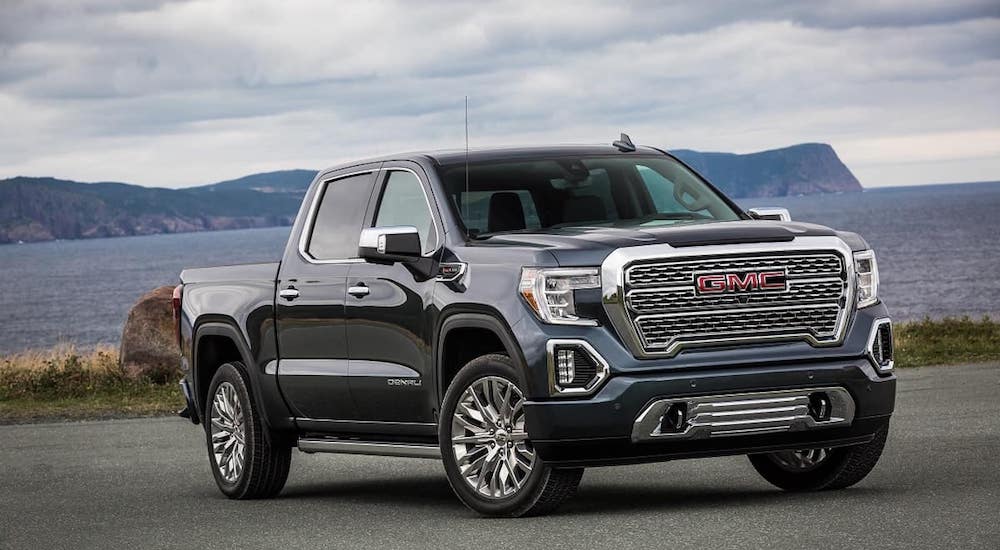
819 406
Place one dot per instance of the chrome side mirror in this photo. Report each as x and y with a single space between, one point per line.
400 243
768 213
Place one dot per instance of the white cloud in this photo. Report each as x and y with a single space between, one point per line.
179 93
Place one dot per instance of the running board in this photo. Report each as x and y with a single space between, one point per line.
353 447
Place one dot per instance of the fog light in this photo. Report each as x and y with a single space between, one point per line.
880 346
566 366
575 367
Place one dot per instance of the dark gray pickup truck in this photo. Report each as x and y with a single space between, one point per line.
521 314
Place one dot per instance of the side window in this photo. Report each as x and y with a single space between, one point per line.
403 203
337 223
661 190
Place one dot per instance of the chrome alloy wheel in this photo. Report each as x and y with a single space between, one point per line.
800 461
228 432
488 438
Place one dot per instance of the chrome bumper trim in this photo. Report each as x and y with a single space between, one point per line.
744 414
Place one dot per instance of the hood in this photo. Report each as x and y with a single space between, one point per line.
590 245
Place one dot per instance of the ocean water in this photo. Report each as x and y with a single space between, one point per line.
938 249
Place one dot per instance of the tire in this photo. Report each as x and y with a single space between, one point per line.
524 490
837 469
261 469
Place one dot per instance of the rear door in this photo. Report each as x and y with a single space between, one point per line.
312 287
389 316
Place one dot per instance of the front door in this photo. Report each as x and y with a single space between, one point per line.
312 287
389 323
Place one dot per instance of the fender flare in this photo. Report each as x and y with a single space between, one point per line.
227 328
474 319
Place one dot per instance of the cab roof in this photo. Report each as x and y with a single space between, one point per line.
451 157
457 156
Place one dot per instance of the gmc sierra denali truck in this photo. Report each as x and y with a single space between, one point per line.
521 314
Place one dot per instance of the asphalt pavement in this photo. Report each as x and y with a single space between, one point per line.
146 483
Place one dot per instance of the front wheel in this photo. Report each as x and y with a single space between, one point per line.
489 459
246 463
820 469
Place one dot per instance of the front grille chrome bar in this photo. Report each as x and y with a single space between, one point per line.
650 297
746 414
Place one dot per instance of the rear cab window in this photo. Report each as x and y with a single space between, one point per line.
338 218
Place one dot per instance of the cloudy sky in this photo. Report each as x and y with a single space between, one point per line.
182 93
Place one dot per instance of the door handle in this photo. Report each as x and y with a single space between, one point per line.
359 290
289 293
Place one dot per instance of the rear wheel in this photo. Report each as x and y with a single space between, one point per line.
246 463
820 469
489 459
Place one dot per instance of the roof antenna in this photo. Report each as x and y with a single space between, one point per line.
624 144
465 203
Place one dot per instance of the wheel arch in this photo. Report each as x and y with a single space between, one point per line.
218 341
464 335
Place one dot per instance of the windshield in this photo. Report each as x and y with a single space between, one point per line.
590 191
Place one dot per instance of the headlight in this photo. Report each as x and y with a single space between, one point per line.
549 292
867 272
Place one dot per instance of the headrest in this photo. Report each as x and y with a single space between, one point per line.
506 212
584 209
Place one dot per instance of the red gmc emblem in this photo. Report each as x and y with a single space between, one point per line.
747 281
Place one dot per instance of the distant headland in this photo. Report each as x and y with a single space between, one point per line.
40 209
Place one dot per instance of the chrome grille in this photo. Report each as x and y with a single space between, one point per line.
682 271
665 309
684 297
661 330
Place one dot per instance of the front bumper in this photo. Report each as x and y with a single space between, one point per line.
599 430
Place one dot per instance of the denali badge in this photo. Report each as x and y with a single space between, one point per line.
747 281
404 381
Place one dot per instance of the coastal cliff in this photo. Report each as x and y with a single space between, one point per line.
805 169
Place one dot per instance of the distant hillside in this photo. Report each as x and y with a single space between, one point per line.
804 169
40 209
282 181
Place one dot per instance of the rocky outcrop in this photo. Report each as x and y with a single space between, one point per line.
148 347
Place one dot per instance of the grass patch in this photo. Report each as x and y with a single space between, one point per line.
947 341
64 383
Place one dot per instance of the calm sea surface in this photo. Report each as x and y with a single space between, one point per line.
938 249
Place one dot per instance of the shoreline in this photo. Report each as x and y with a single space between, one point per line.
141 235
